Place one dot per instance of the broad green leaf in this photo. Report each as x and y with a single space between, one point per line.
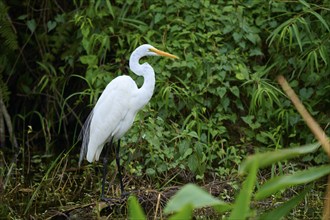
242 204
254 38
305 93
235 91
268 158
194 196
300 177
248 120
221 91
22 17
193 163
51 25
150 172
90 60
32 25
184 213
134 209
285 208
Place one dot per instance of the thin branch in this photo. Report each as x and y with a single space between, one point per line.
6 116
311 123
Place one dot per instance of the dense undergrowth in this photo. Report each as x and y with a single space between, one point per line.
211 108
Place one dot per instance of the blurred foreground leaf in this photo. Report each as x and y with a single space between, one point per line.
134 209
300 177
184 213
194 196
269 158
242 203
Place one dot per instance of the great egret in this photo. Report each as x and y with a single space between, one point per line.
115 110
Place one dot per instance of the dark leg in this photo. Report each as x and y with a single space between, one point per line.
119 169
105 166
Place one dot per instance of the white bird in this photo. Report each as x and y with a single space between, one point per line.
116 108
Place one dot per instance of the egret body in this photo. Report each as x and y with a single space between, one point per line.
116 109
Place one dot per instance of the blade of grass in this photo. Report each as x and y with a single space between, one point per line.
44 178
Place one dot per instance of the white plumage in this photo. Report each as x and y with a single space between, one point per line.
116 108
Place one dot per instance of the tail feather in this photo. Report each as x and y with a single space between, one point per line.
84 136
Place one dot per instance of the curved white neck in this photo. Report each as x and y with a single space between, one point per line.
145 70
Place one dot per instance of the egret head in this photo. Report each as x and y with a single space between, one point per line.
141 51
148 50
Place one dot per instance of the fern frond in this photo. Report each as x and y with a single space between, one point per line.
8 36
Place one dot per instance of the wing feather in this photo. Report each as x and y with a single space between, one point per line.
112 116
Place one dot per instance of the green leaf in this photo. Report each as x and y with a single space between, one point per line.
324 54
268 158
221 91
300 177
248 120
296 33
193 163
318 16
159 17
306 93
237 36
242 204
235 91
254 38
184 213
187 152
134 209
150 172
285 208
22 17
32 25
51 25
90 60
194 196
304 3
110 8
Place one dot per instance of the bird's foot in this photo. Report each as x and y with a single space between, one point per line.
108 200
125 194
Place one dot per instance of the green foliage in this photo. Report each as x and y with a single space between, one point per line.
8 47
284 209
299 177
266 159
7 33
210 108
191 197
219 95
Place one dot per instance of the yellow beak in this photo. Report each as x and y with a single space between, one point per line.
162 53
